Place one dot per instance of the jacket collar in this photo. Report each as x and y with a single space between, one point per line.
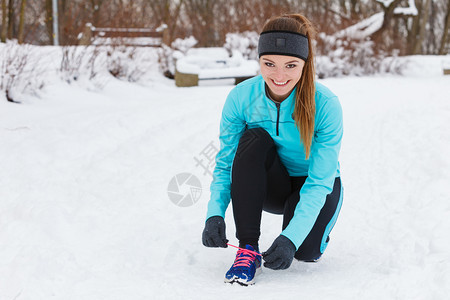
285 103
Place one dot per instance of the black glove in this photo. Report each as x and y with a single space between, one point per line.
280 255
214 233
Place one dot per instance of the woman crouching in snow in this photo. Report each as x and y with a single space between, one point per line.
280 136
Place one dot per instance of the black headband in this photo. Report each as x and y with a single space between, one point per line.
283 43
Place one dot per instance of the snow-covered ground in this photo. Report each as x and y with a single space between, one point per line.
85 213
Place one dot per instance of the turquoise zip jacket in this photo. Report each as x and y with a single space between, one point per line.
247 106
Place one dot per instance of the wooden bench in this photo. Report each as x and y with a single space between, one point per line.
187 80
202 64
137 37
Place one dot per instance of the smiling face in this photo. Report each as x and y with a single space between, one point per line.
281 73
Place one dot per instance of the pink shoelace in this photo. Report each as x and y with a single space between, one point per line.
244 257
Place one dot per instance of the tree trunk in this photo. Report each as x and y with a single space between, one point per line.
413 33
388 15
171 20
343 5
423 23
22 20
4 21
49 19
164 11
354 13
96 4
445 32
11 19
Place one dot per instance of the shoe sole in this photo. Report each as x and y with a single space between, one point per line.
243 282
313 260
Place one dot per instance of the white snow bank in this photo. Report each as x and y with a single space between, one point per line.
425 65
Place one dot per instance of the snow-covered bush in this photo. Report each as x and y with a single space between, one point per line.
166 61
245 42
131 63
98 63
169 55
79 61
183 45
345 56
21 70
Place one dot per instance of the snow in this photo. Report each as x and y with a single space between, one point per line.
216 63
411 10
425 65
385 3
362 29
214 53
85 214
368 26
135 41
197 59
183 45
245 42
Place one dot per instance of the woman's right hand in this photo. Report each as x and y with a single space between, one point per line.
214 233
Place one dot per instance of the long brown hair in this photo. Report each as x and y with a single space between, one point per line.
305 106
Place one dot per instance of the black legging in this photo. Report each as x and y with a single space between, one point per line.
260 182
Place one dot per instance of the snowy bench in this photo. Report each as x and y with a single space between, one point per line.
137 37
212 64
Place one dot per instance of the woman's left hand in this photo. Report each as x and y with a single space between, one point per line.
280 255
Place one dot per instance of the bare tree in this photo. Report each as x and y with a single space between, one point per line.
388 16
200 14
423 15
4 21
444 38
22 20
96 8
166 12
11 19
73 17
34 30
48 19
210 20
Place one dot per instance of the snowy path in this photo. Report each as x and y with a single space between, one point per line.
84 210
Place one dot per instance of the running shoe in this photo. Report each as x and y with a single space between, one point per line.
245 267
